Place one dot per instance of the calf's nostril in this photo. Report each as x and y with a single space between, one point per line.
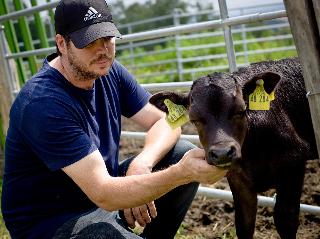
232 152
212 156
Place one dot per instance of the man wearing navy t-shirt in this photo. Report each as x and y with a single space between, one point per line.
62 177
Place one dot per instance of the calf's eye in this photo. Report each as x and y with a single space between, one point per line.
239 114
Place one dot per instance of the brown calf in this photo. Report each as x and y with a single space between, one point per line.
264 148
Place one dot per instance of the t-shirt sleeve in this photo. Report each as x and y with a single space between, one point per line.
55 135
132 95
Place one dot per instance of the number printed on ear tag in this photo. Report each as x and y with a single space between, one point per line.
177 114
259 99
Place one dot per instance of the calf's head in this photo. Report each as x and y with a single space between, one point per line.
217 106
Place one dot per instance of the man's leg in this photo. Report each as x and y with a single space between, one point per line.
97 224
173 206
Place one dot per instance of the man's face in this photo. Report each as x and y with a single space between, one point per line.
92 61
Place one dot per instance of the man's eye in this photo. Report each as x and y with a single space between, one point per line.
107 38
89 45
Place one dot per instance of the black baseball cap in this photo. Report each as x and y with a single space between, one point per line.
84 21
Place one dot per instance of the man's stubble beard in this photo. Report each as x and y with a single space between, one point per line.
81 71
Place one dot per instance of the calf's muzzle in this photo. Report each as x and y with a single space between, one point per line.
221 156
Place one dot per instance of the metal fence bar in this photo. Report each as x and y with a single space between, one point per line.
196 27
36 52
168 86
141 135
154 19
144 43
210 12
224 194
188 28
28 11
224 55
236 30
205 46
262 200
228 37
166 50
8 76
176 20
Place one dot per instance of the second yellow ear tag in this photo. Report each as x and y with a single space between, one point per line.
177 114
259 99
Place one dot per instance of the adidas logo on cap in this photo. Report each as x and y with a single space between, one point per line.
91 14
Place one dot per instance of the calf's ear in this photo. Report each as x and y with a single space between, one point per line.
270 79
177 98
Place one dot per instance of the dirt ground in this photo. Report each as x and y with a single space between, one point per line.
212 218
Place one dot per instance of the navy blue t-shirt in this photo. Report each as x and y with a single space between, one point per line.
52 125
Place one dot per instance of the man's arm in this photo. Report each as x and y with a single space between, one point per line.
114 193
159 140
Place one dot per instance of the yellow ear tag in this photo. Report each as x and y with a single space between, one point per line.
260 99
271 98
177 114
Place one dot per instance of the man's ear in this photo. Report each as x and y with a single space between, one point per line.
61 43
177 98
270 79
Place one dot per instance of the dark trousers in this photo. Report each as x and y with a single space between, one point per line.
171 209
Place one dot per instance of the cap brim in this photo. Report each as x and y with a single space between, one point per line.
84 36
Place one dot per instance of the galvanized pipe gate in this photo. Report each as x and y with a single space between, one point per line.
225 23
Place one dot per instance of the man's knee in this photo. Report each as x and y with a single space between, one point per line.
100 230
182 146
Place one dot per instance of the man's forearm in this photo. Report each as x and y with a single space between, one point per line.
114 193
131 191
159 141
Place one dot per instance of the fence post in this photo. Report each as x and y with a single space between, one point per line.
176 22
304 21
244 39
132 54
228 37
8 83
26 36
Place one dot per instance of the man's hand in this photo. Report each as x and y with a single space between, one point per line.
193 165
142 214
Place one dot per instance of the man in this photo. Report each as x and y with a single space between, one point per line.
62 178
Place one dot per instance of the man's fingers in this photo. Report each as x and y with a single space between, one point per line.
142 214
145 213
137 215
196 153
152 209
129 217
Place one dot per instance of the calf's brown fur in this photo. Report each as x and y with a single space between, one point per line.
263 149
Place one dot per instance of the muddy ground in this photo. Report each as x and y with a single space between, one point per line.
211 218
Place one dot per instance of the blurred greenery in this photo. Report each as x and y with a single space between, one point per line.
131 63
